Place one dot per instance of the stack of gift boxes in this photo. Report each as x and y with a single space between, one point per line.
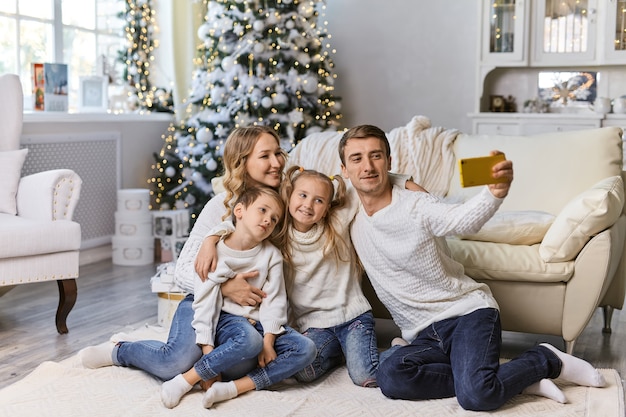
133 242
171 229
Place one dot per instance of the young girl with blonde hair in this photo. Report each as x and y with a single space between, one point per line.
323 277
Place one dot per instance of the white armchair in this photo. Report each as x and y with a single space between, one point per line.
38 239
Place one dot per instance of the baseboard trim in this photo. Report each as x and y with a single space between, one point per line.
97 254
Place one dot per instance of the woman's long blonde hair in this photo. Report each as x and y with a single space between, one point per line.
237 149
334 244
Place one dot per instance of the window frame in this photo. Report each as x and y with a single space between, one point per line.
57 49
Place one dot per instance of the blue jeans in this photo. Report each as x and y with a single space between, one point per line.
354 340
238 343
164 360
460 356
180 353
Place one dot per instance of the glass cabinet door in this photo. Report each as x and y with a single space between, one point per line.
565 32
615 35
504 35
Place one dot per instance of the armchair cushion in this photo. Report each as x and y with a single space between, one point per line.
11 163
526 227
585 215
502 262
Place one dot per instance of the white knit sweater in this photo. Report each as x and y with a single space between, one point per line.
405 255
208 300
324 293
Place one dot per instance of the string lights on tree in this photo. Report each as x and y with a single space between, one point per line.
138 57
263 62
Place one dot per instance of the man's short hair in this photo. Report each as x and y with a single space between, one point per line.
363 132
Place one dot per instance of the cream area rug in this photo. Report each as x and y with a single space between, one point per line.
67 389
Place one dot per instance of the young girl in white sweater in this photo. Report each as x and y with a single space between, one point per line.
323 277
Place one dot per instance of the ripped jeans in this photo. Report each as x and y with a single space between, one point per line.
355 341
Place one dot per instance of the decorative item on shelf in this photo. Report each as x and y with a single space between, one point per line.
536 105
566 88
601 105
619 105
510 105
93 94
497 103
49 86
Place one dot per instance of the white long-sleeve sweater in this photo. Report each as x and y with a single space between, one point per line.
405 255
323 293
208 301
185 274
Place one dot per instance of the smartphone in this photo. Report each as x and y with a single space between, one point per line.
477 171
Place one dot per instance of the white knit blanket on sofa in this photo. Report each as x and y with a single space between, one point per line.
417 149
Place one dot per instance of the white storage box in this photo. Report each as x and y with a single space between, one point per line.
133 224
167 305
133 199
133 250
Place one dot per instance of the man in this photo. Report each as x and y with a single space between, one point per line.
451 322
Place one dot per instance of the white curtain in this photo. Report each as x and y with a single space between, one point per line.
178 22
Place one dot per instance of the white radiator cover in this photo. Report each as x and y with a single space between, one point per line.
96 158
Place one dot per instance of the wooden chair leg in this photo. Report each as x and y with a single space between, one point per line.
67 299
607 311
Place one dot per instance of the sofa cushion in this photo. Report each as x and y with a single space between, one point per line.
514 227
11 163
503 262
21 237
584 216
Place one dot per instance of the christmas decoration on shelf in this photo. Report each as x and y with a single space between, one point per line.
264 62
138 57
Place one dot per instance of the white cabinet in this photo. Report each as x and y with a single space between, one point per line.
565 32
532 123
552 33
614 47
504 40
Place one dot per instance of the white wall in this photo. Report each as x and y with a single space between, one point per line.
400 58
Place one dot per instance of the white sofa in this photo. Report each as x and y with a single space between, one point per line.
552 254
38 239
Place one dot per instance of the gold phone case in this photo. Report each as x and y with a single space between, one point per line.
477 171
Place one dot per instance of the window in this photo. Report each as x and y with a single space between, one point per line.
84 34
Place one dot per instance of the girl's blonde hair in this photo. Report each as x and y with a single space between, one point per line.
334 242
237 149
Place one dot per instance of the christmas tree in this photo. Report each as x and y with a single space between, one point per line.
261 62
137 58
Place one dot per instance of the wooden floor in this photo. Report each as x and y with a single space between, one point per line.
114 298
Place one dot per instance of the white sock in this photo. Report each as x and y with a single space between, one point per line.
219 391
173 390
577 370
398 341
548 389
97 356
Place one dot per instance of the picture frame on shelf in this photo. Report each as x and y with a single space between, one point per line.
93 94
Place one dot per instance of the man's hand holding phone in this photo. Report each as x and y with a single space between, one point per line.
493 170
